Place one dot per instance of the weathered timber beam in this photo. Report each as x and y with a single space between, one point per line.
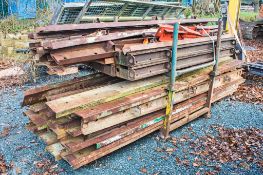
60 126
37 95
83 89
71 104
105 109
76 160
141 122
154 105
57 149
67 105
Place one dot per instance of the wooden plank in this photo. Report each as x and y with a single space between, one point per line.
36 95
73 103
40 120
106 109
31 127
60 126
179 111
80 159
106 61
190 92
184 97
154 105
89 154
77 102
235 83
74 146
77 160
48 137
132 113
66 130
188 119
95 84
55 149
38 107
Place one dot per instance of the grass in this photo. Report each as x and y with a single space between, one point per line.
13 25
248 16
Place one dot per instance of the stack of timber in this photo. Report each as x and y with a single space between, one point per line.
131 50
89 117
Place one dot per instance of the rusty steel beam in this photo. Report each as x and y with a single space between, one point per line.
58 44
86 53
156 68
181 43
79 27
89 156
148 56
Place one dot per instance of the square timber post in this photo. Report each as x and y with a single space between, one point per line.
169 107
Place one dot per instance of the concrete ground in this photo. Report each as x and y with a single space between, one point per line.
26 152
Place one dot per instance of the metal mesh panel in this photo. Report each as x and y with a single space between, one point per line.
104 8
110 10
69 15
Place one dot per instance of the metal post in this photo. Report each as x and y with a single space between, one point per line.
83 11
214 72
169 108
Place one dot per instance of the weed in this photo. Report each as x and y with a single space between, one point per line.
11 24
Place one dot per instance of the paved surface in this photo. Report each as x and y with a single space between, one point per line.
25 149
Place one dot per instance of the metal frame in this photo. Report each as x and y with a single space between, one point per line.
102 10
170 101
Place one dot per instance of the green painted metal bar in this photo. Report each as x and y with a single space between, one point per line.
169 108
83 11
147 11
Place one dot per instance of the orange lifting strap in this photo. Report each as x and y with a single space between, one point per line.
165 32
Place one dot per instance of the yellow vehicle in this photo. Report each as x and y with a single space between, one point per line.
251 30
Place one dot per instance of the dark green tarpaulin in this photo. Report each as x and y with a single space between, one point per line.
3 8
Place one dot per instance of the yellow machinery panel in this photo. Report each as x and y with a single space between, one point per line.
233 15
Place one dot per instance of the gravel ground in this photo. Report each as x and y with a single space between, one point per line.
25 152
